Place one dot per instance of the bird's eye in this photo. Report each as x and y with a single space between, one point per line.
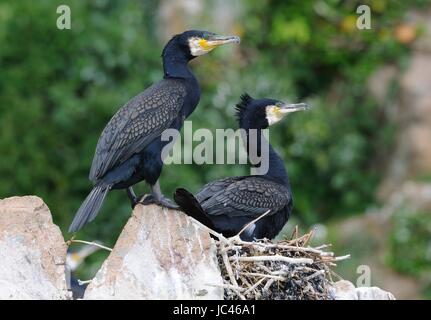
208 35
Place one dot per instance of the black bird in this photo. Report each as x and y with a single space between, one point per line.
229 204
129 149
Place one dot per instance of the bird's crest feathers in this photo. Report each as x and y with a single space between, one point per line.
242 106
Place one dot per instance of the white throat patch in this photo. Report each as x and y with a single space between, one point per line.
273 114
195 47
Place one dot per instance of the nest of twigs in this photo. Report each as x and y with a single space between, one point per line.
289 269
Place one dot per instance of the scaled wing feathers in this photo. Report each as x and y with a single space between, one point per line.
136 124
247 196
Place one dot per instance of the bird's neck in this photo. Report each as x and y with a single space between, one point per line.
271 164
276 169
175 64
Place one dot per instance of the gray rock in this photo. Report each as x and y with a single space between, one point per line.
160 254
345 290
32 251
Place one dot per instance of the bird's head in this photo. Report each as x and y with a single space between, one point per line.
194 43
262 113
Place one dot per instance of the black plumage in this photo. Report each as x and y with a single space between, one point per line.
138 123
227 205
129 148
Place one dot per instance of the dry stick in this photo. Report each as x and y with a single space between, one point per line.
310 235
297 240
235 243
274 258
294 233
328 272
231 247
347 256
281 272
329 260
268 284
307 269
90 243
214 233
230 273
317 273
256 274
323 246
254 286
244 280
69 242
268 270
287 247
252 222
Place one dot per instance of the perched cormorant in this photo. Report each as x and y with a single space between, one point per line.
229 204
129 149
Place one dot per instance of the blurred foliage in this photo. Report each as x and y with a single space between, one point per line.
410 246
59 88
334 153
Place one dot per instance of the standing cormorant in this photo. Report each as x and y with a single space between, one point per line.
129 149
229 204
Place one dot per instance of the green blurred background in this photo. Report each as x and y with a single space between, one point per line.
58 88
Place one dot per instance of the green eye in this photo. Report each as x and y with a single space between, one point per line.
208 35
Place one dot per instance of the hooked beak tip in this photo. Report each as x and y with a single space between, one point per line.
295 107
220 40
236 39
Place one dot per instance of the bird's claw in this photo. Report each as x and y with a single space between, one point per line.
163 201
168 203
147 199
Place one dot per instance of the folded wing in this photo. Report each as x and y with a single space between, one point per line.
136 124
245 196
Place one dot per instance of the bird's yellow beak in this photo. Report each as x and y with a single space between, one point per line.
217 40
200 46
293 107
274 113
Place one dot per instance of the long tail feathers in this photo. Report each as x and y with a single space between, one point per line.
89 208
192 207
